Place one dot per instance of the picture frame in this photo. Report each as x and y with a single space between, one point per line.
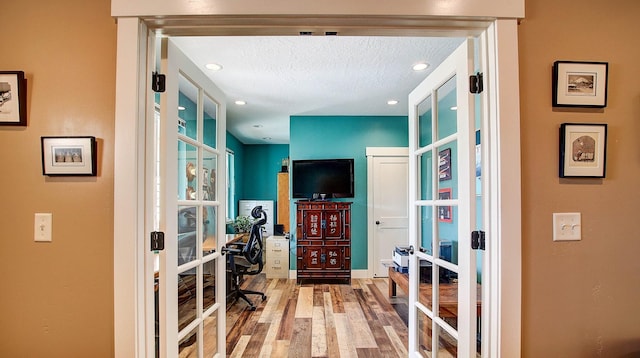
445 214
13 98
69 156
580 84
583 150
444 164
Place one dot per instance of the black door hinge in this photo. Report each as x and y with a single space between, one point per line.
157 241
477 240
158 82
476 84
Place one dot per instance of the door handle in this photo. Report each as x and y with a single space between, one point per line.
377 222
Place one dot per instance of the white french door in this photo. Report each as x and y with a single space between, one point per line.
443 284
190 156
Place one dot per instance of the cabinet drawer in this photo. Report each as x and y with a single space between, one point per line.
280 255
277 268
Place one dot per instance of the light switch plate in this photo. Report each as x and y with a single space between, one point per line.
42 227
567 227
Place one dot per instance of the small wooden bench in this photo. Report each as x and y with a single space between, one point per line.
448 293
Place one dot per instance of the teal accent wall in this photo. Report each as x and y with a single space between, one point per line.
261 165
326 137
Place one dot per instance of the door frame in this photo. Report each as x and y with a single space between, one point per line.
373 152
502 138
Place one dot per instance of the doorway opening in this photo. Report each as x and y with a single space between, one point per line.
168 23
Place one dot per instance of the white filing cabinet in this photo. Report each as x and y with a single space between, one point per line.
277 253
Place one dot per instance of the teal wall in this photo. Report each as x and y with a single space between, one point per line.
326 137
261 165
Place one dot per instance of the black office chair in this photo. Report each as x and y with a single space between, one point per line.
243 258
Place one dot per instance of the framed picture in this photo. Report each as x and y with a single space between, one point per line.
580 84
69 156
444 164
583 150
13 98
444 212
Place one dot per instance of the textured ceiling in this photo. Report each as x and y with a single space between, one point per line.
311 75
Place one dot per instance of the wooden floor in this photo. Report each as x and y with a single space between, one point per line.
318 320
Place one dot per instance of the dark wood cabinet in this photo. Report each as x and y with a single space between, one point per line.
323 236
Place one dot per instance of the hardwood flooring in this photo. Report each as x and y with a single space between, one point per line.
318 320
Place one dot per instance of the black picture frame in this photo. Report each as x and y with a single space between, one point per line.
583 150
13 98
69 156
580 84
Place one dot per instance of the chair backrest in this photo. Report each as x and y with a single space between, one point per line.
253 249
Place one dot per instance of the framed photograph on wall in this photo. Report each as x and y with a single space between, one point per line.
444 164
66 156
580 84
583 150
445 214
13 98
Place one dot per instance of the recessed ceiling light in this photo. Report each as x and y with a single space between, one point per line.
392 102
420 66
181 108
241 103
213 66
454 108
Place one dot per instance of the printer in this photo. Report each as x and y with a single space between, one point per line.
401 258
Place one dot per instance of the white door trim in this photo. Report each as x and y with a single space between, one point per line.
504 231
504 201
130 331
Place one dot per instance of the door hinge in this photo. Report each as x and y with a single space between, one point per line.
157 241
476 84
158 82
477 240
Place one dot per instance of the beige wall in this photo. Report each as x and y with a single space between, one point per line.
56 299
580 299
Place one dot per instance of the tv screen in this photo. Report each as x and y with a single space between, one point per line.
331 177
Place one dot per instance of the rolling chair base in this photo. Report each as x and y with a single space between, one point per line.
237 295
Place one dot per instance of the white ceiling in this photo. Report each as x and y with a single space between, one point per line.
311 75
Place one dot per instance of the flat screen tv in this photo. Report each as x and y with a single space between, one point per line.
312 178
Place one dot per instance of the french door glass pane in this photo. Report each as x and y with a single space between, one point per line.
448 296
424 334
187 171
447 121
426 229
208 284
187 108
187 292
425 130
210 335
188 346
447 345
425 167
187 219
426 277
448 171
209 221
209 131
209 173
